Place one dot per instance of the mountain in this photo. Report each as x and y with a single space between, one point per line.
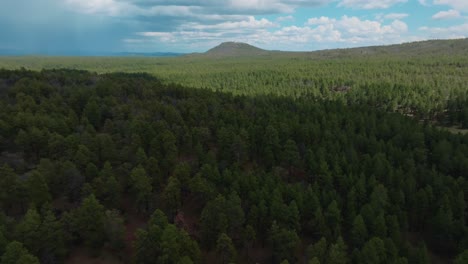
235 49
411 49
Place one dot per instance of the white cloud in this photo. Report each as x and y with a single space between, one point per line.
457 31
423 2
285 18
317 32
446 14
393 16
102 7
370 4
460 5
250 23
320 20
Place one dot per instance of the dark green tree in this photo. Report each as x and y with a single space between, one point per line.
38 189
16 253
359 232
172 196
28 231
337 253
283 243
141 187
87 223
318 250
225 249
461 258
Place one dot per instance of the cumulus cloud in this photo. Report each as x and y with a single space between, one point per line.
457 31
460 5
285 18
446 14
319 21
316 32
370 4
423 2
396 16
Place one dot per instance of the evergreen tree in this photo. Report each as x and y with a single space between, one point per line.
283 243
359 232
172 196
373 251
16 253
38 189
226 249
338 252
318 250
52 238
28 231
88 223
141 187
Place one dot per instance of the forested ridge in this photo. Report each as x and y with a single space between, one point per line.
427 80
219 178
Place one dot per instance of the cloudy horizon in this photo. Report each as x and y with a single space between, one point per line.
107 26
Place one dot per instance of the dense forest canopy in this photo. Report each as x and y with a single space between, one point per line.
131 166
428 80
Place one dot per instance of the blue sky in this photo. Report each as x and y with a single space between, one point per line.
87 27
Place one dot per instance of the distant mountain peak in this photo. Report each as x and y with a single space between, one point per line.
235 49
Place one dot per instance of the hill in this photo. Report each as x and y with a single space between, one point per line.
235 49
419 48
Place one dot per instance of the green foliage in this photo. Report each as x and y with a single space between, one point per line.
162 242
373 251
283 243
141 187
226 249
15 253
38 189
359 232
28 231
10 188
88 223
269 172
337 253
462 258
52 238
172 195
318 251
221 215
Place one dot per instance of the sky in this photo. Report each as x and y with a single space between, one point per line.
87 27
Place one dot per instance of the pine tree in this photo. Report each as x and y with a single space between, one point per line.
88 223
373 251
52 238
141 187
358 232
283 243
172 196
226 249
28 230
318 250
16 253
338 252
